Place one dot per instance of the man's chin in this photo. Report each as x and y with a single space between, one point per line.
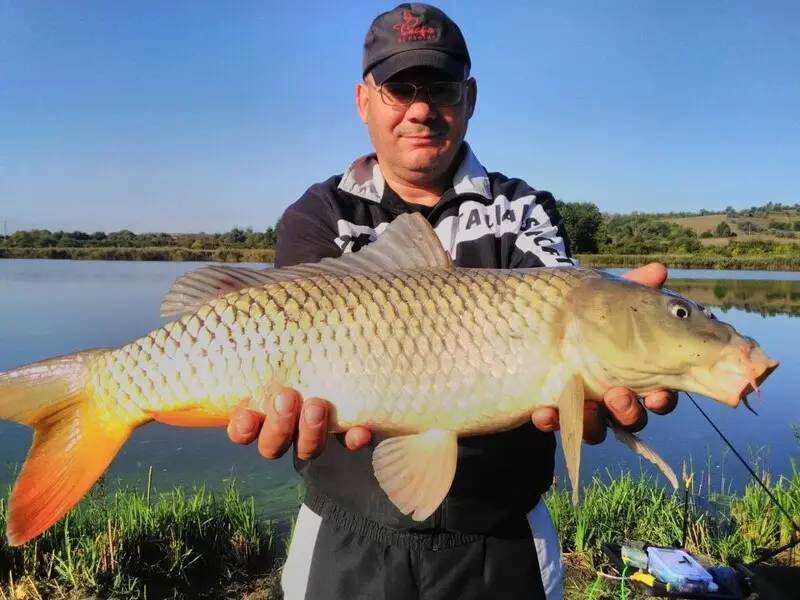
424 160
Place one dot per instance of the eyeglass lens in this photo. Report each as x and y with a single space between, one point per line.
444 93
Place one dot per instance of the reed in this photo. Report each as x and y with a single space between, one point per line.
141 543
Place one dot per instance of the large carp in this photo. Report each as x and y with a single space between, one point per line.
397 338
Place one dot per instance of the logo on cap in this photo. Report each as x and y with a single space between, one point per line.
410 30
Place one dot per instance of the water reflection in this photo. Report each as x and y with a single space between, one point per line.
766 298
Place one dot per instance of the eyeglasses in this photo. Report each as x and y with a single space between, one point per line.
440 93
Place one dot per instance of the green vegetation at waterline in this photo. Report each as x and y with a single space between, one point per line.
175 254
768 262
133 543
130 543
728 528
771 262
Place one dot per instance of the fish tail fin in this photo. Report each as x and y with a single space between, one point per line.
72 444
637 445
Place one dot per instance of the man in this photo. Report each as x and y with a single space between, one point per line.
492 536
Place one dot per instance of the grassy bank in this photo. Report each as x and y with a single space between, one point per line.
142 544
145 544
787 262
176 254
721 528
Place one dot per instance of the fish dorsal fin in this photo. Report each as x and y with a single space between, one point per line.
408 242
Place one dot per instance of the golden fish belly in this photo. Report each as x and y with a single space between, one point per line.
424 349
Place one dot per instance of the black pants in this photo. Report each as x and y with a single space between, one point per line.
348 564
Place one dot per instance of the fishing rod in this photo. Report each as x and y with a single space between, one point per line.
794 541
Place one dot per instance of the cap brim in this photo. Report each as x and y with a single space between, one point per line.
422 57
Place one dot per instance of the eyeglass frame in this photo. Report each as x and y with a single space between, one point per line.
417 89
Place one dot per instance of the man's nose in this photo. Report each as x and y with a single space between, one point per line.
421 109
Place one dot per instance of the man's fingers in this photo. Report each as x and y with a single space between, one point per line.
594 423
662 402
244 426
652 275
279 426
545 419
312 430
357 437
625 409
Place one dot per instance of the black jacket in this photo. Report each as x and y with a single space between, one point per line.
483 220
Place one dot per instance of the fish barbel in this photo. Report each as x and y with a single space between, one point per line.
397 339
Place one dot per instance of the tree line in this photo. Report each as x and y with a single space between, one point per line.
589 231
235 238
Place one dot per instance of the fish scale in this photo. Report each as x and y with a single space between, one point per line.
396 338
371 358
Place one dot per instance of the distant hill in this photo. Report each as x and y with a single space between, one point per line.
771 222
772 229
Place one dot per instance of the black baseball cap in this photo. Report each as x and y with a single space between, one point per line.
414 35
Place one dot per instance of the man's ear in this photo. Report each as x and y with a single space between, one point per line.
472 96
362 100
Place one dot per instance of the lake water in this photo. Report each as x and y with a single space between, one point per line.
55 307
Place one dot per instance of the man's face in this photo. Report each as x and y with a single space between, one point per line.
418 141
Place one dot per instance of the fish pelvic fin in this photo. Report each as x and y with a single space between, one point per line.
416 471
408 242
72 443
640 447
570 418
192 416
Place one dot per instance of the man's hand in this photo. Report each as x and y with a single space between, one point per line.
288 419
619 402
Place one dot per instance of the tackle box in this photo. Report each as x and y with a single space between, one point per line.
660 560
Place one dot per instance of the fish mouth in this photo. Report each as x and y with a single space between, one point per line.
743 367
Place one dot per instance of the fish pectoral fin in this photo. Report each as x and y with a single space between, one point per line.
570 418
637 445
416 471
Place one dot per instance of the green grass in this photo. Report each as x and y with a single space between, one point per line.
623 506
146 544
726 528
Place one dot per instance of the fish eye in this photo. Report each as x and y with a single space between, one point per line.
680 310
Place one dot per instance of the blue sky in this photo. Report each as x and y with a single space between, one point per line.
190 116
